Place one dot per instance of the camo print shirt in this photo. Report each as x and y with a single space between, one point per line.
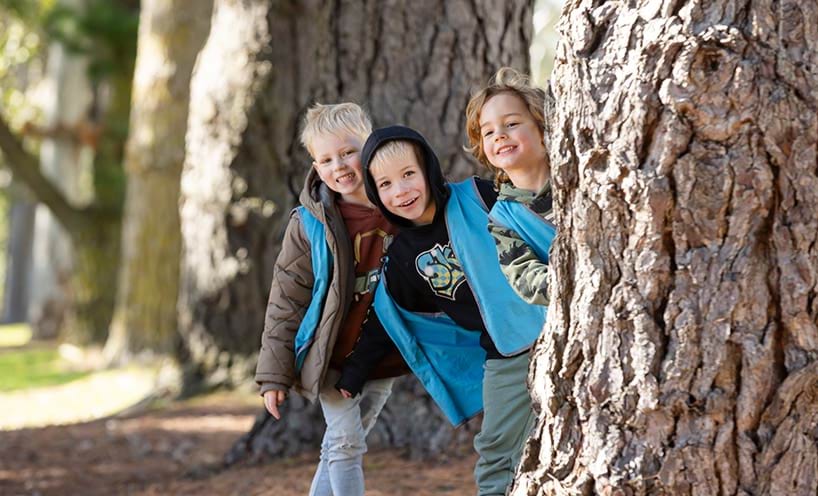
527 274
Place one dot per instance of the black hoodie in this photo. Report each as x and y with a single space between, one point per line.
408 285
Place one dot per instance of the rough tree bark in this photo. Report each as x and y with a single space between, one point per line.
680 352
171 33
263 64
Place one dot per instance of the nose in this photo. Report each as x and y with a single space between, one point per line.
337 163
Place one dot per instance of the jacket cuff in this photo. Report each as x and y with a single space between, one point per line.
271 386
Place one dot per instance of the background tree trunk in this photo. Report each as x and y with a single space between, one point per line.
18 257
680 352
171 33
61 162
263 65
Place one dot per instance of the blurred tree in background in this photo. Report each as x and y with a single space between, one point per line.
105 32
171 33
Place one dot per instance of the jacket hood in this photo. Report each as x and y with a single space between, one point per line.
315 193
431 166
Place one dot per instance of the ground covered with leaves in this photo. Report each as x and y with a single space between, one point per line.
177 449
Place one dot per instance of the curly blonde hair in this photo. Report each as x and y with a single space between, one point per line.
507 80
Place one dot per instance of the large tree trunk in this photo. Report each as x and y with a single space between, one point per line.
171 33
263 64
680 352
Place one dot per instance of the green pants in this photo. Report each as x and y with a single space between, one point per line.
507 421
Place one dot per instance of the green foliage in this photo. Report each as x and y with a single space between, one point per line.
21 68
32 368
104 30
29 11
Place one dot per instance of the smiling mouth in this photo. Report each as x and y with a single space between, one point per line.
346 178
505 149
407 203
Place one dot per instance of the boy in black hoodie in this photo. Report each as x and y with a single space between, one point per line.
435 265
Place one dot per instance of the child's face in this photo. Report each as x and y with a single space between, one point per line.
337 159
403 189
510 137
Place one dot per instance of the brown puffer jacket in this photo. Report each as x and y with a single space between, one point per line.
291 292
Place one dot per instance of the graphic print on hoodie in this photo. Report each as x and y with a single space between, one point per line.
441 269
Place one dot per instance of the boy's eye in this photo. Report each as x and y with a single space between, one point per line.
347 153
383 184
409 173
512 124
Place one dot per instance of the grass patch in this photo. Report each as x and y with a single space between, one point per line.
33 368
14 335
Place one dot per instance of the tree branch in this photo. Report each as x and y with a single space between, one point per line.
26 169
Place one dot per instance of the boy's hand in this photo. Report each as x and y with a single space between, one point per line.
272 399
346 394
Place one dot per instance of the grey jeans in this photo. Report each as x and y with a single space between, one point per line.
340 471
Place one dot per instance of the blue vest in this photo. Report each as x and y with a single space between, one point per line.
537 232
322 272
447 359
512 323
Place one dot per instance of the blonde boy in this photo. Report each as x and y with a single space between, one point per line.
318 302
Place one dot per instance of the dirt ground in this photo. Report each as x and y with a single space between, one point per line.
177 450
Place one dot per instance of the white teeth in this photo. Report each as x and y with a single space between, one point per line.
406 204
505 149
345 177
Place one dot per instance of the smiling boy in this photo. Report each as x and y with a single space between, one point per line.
321 291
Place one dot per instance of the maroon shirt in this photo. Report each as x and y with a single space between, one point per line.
370 234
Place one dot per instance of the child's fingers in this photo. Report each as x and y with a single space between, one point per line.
272 407
271 401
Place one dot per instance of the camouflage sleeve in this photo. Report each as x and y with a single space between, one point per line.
527 274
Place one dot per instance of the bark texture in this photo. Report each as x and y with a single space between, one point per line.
264 63
680 352
171 33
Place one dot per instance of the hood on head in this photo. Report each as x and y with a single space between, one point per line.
437 183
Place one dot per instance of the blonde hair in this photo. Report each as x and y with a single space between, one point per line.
507 80
340 118
394 150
